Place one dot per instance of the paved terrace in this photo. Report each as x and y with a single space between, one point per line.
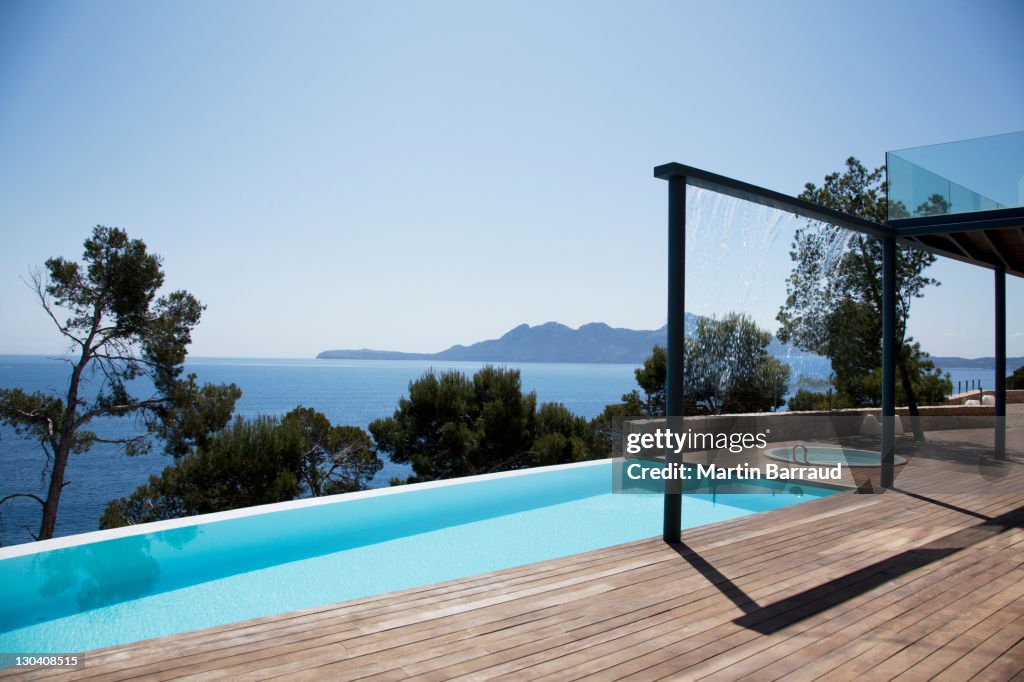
908 585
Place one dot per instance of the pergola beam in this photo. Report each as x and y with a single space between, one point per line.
766 197
968 249
673 506
910 231
955 250
888 467
1000 349
958 222
995 249
678 177
957 244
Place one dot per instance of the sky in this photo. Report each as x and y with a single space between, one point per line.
412 175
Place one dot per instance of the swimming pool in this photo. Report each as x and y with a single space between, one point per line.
110 587
817 454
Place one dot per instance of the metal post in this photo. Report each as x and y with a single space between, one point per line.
888 360
676 330
1000 444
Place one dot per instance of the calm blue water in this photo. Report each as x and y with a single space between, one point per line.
122 590
351 392
968 378
348 391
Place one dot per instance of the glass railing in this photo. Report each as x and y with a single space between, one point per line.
982 174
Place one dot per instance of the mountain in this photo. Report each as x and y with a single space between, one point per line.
948 362
552 342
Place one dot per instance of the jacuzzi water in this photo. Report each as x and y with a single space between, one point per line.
831 456
130 584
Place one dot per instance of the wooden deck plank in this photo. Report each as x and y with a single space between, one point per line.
742 653
897 636
928 591
1008 666
832 652
986 642
692 647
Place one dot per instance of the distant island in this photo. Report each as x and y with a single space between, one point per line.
975 363
596 343
553 342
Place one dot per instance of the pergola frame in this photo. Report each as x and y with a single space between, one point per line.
930 234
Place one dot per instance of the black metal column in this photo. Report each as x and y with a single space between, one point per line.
676 330
1000 444
888 361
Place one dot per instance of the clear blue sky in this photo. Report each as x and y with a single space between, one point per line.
410 175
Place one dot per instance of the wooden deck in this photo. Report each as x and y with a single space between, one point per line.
908 585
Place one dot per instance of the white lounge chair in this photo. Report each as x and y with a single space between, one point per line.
870 426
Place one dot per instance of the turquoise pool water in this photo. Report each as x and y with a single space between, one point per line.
158 583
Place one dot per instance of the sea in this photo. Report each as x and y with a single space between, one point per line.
352 392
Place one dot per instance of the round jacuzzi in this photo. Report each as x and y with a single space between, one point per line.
817 454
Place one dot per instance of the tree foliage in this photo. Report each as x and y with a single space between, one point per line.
727 369
123 337
808 401
192 414
561 436
451 425
335 459
834 294
252 462
651 378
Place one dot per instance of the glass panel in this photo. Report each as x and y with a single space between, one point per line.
982 174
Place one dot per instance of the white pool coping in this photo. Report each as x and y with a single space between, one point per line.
28 548
770 454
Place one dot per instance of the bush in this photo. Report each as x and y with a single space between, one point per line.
252 462
451 425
